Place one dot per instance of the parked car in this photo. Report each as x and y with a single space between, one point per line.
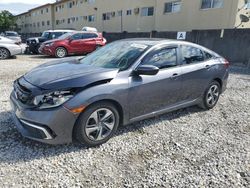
123 82
35 42
13 36
89 29
80 42
9 48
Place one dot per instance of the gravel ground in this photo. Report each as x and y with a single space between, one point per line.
186 148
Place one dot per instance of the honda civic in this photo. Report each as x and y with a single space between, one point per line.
126 81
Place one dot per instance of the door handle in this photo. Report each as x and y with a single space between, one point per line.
207 66
174 76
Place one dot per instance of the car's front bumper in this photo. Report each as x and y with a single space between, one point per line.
46 50
15 49
52 126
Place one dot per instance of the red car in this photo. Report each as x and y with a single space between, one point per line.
73 43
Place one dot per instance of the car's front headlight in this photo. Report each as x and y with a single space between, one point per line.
53 99
49 44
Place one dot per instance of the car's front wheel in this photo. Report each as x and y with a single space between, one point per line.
61 52
97 124
211 95
4 53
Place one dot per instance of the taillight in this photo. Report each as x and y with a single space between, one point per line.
226 63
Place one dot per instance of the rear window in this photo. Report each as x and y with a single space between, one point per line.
11 34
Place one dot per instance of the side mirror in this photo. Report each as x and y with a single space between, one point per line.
147 70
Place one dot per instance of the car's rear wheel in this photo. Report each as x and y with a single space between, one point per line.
211 95
4 53
97 124
61 52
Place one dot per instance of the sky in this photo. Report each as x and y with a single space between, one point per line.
20 6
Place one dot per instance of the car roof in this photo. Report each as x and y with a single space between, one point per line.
161 41
59 30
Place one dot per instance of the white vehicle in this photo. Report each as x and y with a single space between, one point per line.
13 36
8 48
89 29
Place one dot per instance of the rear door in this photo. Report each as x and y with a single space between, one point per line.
196 71
75 43
88 42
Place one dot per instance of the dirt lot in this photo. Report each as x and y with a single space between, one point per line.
186 148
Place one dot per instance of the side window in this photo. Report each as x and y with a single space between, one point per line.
89 35
191 55
56 35
208 56
76 36
164 58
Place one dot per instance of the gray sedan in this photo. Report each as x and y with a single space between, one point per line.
123 82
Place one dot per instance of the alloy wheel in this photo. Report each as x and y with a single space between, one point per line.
4 54
212 95
100 124
61 52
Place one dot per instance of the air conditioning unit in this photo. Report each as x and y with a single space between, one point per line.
136 10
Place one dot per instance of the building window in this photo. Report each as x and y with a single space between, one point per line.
91 18
43 23
207 4
129 12
106 16
48 22
38 24
174 6
119 13
42 11
91 1
47 10
70 5
147 11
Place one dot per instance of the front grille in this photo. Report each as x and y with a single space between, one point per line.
22 93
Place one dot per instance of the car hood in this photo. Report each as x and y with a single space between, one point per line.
68 73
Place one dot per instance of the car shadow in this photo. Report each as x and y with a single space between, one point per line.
15 148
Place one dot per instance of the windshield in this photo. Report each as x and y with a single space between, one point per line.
11 34
45 34
64 36
119 55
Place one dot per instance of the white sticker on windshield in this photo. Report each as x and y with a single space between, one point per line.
142 46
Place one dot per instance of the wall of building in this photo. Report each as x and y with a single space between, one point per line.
245 10
75 15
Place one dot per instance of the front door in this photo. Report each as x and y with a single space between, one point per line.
149 94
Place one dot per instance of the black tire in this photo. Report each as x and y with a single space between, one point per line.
61 52
213 96
4 53
82 125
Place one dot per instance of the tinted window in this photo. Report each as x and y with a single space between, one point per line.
76 36
191 55
164 58
89 35
208 56
55 35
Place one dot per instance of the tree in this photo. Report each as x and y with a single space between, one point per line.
7 21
